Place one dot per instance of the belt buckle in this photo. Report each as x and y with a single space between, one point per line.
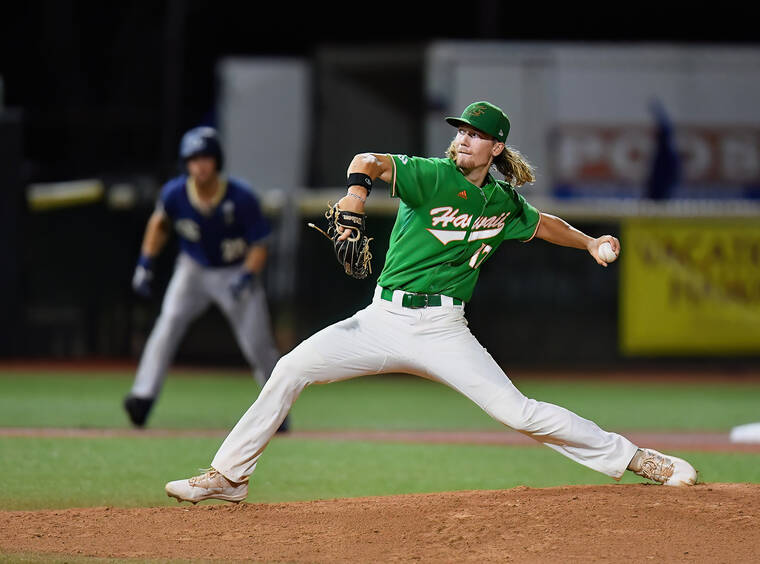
412 297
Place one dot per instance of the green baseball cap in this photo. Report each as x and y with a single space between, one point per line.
485 117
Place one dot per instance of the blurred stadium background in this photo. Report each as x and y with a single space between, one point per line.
654 138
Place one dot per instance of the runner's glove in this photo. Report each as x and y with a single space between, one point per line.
242 284
143 277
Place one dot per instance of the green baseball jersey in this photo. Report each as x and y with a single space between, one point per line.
447 227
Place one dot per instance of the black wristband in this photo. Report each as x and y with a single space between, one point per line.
360 179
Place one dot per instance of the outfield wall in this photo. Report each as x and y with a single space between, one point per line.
686 286
600 119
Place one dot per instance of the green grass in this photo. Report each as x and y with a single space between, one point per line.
217 400
130 471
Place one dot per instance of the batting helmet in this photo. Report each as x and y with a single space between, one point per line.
201 141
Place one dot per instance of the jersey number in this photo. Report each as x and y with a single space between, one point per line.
480 255
233 249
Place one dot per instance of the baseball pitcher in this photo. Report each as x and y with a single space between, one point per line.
222 239
452 217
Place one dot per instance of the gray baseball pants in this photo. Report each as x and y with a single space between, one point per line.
190 292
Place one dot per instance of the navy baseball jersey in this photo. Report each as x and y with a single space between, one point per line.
217 234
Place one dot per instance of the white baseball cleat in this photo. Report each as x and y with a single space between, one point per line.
665 469
211 485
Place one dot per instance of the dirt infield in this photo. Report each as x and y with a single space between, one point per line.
706 523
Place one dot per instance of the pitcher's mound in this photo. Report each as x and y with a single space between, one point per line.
613 523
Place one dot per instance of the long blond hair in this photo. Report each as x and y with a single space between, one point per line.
510 162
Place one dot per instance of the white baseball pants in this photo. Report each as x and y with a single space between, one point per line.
192 289
433 343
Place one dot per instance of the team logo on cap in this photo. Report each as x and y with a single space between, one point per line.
478 111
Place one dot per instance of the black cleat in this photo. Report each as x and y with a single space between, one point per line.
138 409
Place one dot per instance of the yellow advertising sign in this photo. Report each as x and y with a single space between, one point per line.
690 287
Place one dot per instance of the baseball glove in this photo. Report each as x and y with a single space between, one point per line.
352 253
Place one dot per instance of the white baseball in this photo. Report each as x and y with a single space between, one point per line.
606 253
